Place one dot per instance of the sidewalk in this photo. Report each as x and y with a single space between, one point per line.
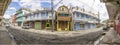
63 33
111 37
5 38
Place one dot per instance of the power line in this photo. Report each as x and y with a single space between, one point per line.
85 4
58 3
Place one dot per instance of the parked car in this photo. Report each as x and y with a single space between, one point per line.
7 25
106 28
26 27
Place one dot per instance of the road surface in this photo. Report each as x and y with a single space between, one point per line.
25 37
5 38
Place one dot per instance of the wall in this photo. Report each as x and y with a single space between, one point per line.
89 21
39 16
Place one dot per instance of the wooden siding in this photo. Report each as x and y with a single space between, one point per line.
63 18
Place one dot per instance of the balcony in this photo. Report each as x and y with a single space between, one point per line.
63 18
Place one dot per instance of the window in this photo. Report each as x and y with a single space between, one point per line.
26 17
46 13
34 15
82 15
74 14
43 13
50 13
62 9
48 24
39 15
82 25
77 14
87 16
91 19
64 14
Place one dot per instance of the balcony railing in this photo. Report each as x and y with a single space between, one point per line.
39 18
63 18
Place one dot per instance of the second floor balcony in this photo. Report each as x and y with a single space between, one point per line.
63 18
39 18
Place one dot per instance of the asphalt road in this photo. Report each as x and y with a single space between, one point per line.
5 38
25 37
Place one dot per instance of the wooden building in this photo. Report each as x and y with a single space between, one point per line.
63 18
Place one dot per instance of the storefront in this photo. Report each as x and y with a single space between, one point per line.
46 24
63 25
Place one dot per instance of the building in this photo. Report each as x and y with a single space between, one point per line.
40 19
3 6
113 8
19 18
63 18
19 15
13 20
83 19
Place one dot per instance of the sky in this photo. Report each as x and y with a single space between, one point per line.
91 5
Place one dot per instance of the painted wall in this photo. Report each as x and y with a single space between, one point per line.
19 18
39 16
78 17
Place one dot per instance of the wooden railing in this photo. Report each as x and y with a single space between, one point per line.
63 18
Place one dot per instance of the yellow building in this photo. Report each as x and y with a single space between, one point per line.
63 19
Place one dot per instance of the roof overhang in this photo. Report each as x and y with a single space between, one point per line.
113 8
3 6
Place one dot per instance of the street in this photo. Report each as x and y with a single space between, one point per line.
59 22
5 37
25 37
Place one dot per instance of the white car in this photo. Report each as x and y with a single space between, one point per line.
26 27
7 25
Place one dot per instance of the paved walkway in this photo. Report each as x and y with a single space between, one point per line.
111 37
62 33
5 37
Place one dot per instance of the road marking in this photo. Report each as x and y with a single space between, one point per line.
98 40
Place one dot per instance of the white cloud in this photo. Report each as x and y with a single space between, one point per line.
6 16
15 0
33 4
25 2
13 8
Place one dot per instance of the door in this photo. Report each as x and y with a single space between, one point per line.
77 26
63 25
37 25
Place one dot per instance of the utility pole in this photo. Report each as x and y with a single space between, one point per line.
99 19
52 15
72 21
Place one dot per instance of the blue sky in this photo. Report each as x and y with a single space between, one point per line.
93 5
17 4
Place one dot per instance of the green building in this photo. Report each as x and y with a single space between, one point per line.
19 15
